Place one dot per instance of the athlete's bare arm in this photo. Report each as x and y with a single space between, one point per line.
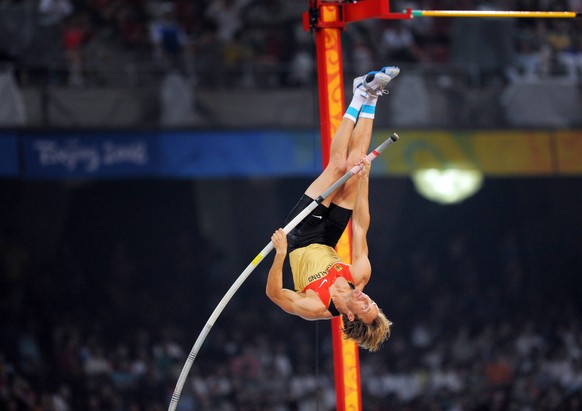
305 306
361 268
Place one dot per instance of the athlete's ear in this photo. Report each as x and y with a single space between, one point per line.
351 316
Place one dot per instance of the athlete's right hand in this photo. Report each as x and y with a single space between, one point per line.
365 171
279 239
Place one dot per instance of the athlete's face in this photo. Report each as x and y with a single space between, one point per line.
362 306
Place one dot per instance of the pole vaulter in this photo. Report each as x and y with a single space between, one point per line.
257 260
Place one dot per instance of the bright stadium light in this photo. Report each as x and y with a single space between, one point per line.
448 186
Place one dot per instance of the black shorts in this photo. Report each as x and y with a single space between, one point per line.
325 225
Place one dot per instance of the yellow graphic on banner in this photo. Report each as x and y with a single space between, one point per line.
569 152
513 153
495 153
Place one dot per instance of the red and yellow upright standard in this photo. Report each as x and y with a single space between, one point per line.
328 19
332 106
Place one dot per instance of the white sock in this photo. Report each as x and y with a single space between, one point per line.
355 106
368 108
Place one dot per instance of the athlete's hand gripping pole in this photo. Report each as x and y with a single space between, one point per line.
264 252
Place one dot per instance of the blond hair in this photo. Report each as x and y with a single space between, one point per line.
367 336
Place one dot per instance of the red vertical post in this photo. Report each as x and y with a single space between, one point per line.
329 18
332 107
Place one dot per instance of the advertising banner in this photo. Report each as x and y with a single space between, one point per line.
275 153
8 154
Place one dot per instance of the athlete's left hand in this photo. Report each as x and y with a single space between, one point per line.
279 239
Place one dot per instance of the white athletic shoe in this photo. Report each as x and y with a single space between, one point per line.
392 71
374 83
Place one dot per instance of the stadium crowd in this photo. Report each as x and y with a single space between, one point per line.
250 43
477 327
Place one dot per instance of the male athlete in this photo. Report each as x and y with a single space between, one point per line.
324 286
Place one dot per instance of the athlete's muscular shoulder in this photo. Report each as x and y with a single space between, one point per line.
309 307
361 270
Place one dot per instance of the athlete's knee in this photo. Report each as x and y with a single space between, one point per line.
337 165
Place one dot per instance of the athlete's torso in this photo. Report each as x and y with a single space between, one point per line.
322 285
316 267
311 263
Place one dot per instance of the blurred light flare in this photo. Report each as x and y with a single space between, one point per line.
448 186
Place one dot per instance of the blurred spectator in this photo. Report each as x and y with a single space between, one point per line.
565 47
61 399
55 11
529 341
281 362
399 45
169 40
231 41
362 56
226 14
76 35
177 102
446 379
303 388
302 67
571 58
462 347
13 111
30 359
132 28
498 371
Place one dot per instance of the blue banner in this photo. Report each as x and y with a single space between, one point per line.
181 154
242 153
8 154
90 155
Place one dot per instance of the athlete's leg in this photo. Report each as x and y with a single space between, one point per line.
342 146
360 142
346 195
337 165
